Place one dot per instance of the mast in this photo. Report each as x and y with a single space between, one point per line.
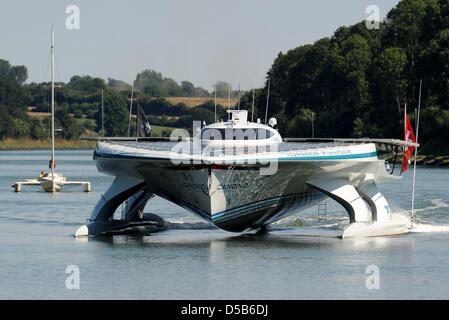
268 99
416 152
215 102
238 104
229 99
313 125
52 163
229 96
252 107
102 113
130 110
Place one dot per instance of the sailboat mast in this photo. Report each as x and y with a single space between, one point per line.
102 113
215 101
252 106
52 163
130 110
229 99
229 96
238 103
413 218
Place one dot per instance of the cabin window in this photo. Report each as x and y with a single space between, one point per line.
264 134
236 134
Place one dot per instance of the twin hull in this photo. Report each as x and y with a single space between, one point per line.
237 197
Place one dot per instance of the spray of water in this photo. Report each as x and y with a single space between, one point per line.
421 225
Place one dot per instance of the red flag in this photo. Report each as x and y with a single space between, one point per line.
409 136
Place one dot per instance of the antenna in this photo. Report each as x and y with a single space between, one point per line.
215 101
238 103
229 95
52 105
268 99
252 106
102 113
313 124
130 110
137 121
416 152
229 99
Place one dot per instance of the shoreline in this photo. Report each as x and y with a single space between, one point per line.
60 144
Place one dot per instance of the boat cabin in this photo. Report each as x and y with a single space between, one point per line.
240 130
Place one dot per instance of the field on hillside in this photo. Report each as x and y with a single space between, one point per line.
30 144
195 101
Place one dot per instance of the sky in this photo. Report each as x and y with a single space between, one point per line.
201 41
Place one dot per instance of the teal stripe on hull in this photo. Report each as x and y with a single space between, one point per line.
298 158
336 157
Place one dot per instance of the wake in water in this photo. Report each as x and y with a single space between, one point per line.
428 228
432 213
184 224
427 220
429 224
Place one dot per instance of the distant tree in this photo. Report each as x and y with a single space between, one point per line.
201 113
5 66
86 84
118 85
71 130
222 88
20 128
13 97
170 88
116 114
19 74
37 130
389 91
5 122
148 78
201 92
301 124
153 90
188 89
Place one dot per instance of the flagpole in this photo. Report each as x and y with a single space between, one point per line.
416 152
405 120
405 135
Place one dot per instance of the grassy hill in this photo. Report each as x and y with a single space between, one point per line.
196 101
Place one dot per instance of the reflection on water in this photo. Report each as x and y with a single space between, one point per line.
193 260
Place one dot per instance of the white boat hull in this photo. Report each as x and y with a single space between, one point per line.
237 197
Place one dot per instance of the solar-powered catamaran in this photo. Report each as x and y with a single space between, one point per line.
240 175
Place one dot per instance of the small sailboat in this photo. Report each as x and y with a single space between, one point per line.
52 181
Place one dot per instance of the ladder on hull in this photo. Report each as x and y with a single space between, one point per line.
322 211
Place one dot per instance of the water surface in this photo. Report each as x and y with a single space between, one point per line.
195 261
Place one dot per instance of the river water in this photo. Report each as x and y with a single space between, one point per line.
192 260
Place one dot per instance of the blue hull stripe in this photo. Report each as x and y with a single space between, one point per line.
297 158
336 157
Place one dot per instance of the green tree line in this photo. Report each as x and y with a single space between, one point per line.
78 106
356 82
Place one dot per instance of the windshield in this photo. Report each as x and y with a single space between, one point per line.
235 134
